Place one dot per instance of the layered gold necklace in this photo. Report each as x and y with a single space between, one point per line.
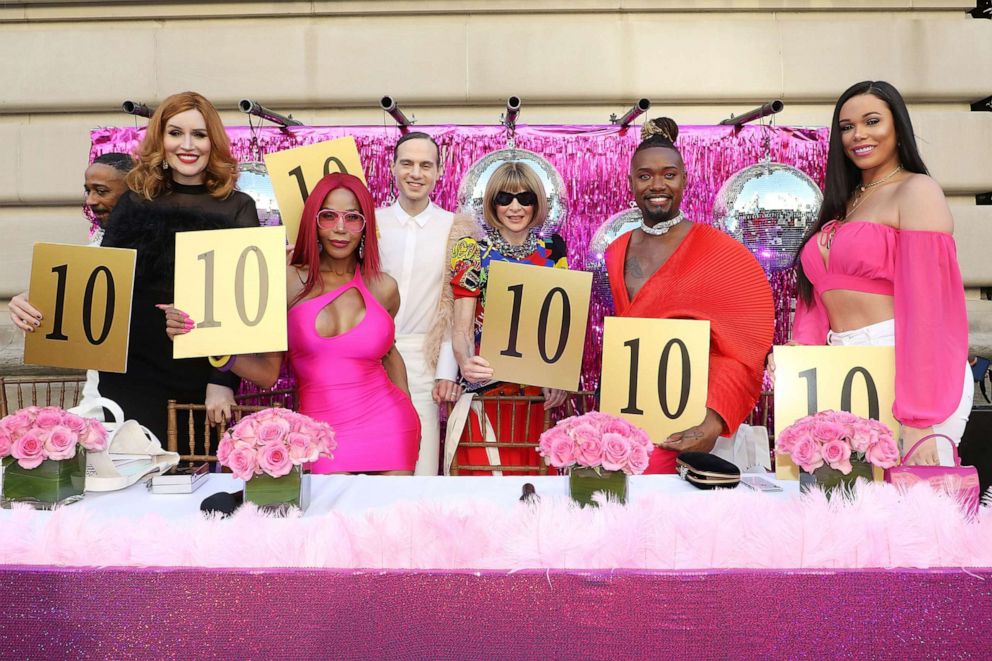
862 192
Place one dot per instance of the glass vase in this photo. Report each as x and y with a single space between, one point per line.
832 480
583 483
53 482
279 494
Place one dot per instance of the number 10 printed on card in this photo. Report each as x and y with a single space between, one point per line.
535 324
859 380
656 372
233 285
84 296
294 173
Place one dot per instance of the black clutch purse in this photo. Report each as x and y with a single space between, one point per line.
707 471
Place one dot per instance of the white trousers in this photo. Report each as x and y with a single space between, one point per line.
421 380
883 334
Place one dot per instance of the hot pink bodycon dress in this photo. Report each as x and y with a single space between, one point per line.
342 382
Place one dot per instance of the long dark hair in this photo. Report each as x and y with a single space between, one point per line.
306 253
843 176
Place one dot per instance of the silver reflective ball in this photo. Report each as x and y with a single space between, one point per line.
613 227
768 207
253 179
473 186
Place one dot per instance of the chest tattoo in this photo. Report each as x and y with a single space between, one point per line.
632 269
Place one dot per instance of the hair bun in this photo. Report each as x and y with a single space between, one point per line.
660 126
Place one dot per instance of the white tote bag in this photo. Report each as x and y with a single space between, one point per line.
748 449
132 450
457 420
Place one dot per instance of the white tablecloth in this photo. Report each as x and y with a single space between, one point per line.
358 493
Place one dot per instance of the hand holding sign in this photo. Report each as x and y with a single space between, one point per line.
233 285
859 380
294 172
655 373
84 294
535 324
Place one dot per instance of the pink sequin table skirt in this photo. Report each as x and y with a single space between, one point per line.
55 613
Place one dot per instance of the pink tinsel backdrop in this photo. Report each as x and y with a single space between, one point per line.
593 162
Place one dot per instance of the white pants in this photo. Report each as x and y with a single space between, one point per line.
883 334
421 380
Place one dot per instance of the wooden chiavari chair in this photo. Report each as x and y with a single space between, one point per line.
518 408
198 434
62 391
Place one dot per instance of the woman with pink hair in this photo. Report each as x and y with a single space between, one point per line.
341 335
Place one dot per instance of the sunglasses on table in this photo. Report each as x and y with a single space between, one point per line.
526 198
328 219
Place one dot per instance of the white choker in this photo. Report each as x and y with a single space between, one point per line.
663 226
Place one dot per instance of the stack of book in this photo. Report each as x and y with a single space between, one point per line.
182 478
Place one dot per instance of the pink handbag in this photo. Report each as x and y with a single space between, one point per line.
959 481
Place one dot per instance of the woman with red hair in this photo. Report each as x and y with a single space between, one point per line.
341 335
183 180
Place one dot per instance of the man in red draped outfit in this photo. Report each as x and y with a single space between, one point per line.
671 268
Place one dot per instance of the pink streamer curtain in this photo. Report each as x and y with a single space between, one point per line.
593 162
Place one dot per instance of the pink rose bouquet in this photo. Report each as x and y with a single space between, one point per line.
37 433
599 441
835 438
272 442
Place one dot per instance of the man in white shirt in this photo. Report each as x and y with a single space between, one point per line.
415 243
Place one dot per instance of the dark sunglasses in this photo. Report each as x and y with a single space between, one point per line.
526 198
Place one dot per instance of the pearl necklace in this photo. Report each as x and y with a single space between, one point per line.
663 227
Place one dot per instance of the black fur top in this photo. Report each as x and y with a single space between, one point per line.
150 227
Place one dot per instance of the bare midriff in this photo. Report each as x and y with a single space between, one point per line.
849 310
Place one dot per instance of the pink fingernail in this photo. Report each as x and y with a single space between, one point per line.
162 306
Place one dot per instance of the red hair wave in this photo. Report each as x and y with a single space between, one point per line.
150 180
306 252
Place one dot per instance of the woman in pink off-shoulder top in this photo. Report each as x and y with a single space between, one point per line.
880 266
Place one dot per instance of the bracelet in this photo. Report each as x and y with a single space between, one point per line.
223 363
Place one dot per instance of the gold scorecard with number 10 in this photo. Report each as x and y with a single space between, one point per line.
232 283
656 372
808 379
534 329
84 295
294 173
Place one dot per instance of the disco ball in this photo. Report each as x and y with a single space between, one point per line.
612 228
253 180
768 207
473 186
615 226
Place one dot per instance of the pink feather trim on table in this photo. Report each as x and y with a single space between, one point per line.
880 528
